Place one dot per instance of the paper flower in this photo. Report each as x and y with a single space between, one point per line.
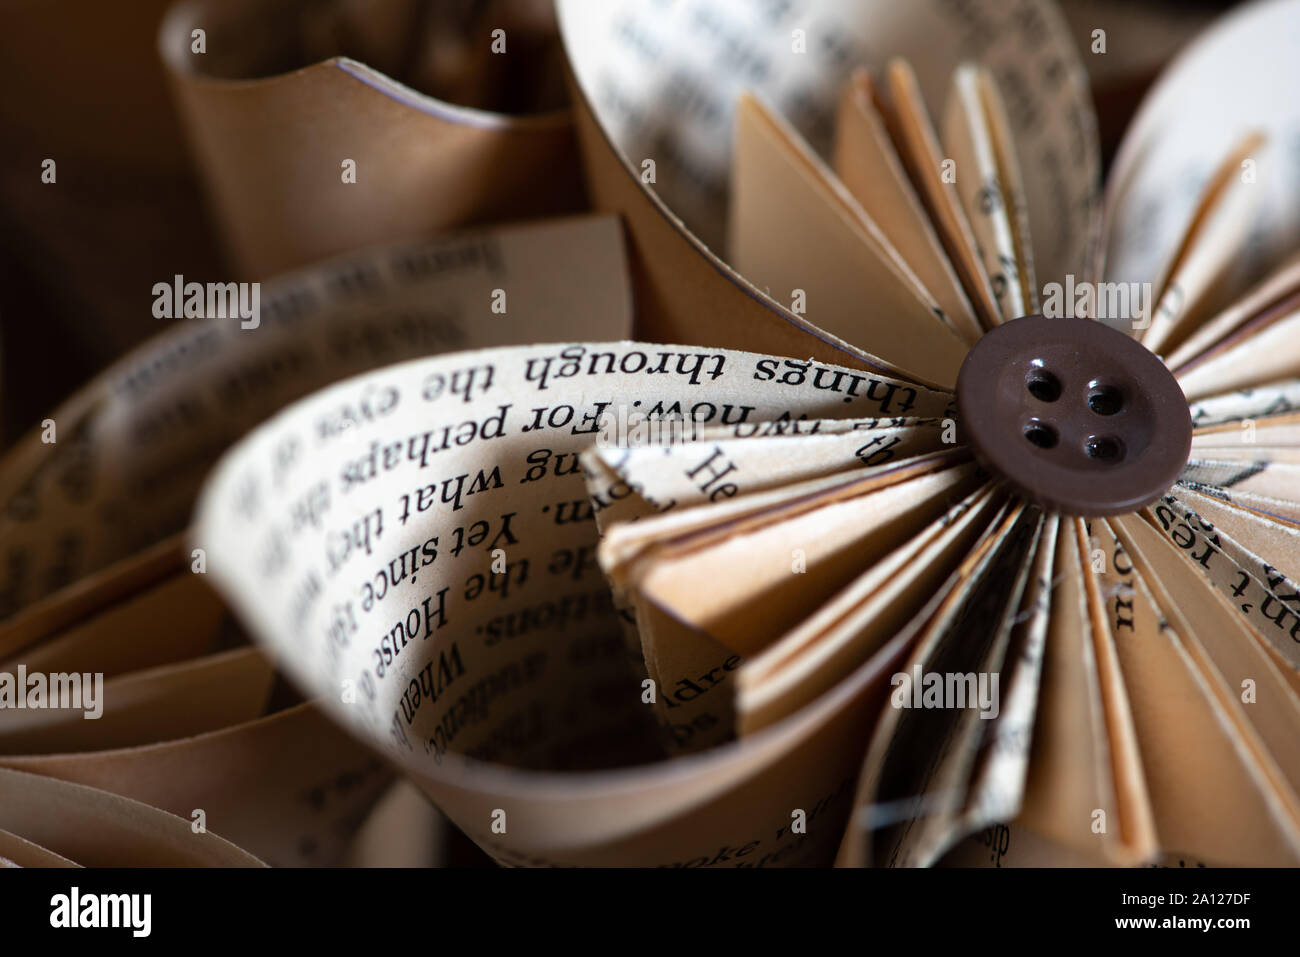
1129 644
810 561
1131 626
98 588
860 636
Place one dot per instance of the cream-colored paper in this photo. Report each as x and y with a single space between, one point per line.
136 443
798 235
496 691
991 189
624 53
1181 133
859 620
417 547
867 163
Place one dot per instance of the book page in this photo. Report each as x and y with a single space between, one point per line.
455 627
1191 287
1070 775
935 177
134 445
148 617
861 621
97 576
1199 754
976 131
176 701
793 229
1228 545
1015 844
634 65
1267 302
866 162
1224 644
767 455
998 781
1247 361
1131 825
770 572
758 598
775 465
1181 133
912 779
631 62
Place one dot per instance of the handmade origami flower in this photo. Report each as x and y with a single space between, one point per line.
1079 634
1084 664
977 585
984 557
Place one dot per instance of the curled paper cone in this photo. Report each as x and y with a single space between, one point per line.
289 787
616 602
78 505
337 155
178 712
521 664
655 92
820 545
1176 144
67 823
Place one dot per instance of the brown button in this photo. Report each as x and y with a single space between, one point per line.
1077 416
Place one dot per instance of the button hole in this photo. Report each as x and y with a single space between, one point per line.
1043 386
1041 434
1104 448
1105 399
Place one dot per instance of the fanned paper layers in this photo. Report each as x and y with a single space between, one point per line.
98 578
612 602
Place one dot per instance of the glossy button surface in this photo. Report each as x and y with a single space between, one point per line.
1076 416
